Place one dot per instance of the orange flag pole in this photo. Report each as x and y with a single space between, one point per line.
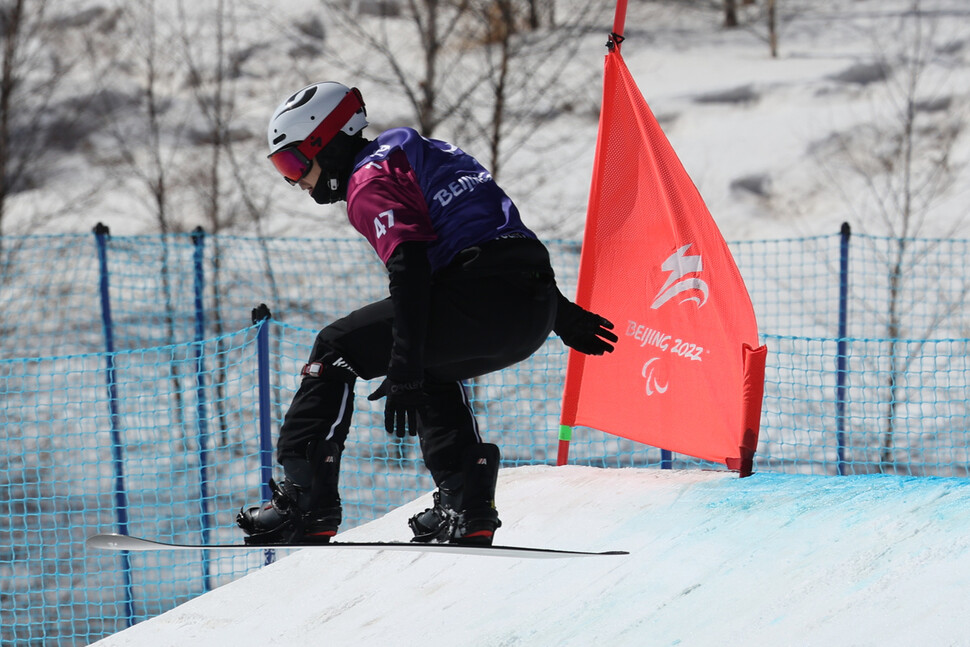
619 22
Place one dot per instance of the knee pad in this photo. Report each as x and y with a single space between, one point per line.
331 366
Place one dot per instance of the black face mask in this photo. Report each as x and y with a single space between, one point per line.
329 189
336 162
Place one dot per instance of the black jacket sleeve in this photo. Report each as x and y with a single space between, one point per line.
409 274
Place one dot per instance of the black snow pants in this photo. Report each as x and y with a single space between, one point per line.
491 307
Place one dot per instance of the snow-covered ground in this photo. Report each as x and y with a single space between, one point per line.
714 560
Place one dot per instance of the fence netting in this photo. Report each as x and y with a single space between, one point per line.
129 396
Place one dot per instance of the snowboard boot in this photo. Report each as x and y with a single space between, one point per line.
478 518
437 524
305 506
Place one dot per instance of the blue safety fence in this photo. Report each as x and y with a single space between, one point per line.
137 396
167 289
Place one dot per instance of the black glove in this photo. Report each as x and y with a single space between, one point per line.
401 408
583 330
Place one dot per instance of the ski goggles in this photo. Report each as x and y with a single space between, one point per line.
294 161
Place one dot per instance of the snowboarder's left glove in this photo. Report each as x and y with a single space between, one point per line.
583 330
401 408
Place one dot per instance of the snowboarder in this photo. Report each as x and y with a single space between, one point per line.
471 291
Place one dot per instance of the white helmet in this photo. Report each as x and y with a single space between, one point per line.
297 117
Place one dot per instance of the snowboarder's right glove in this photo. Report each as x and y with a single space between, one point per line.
401 407
583 330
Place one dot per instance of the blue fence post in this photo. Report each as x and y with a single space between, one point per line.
262 317
841 374
198 258
101 234
666 459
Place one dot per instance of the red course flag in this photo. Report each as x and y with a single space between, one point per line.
687 374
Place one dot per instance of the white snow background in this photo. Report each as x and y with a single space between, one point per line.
772 559
779 126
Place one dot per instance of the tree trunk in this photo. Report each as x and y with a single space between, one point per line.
772 29
498 108
730 13
896 364
8 82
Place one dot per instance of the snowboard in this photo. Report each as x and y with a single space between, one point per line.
126 542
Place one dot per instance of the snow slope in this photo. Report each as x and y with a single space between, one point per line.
772 559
